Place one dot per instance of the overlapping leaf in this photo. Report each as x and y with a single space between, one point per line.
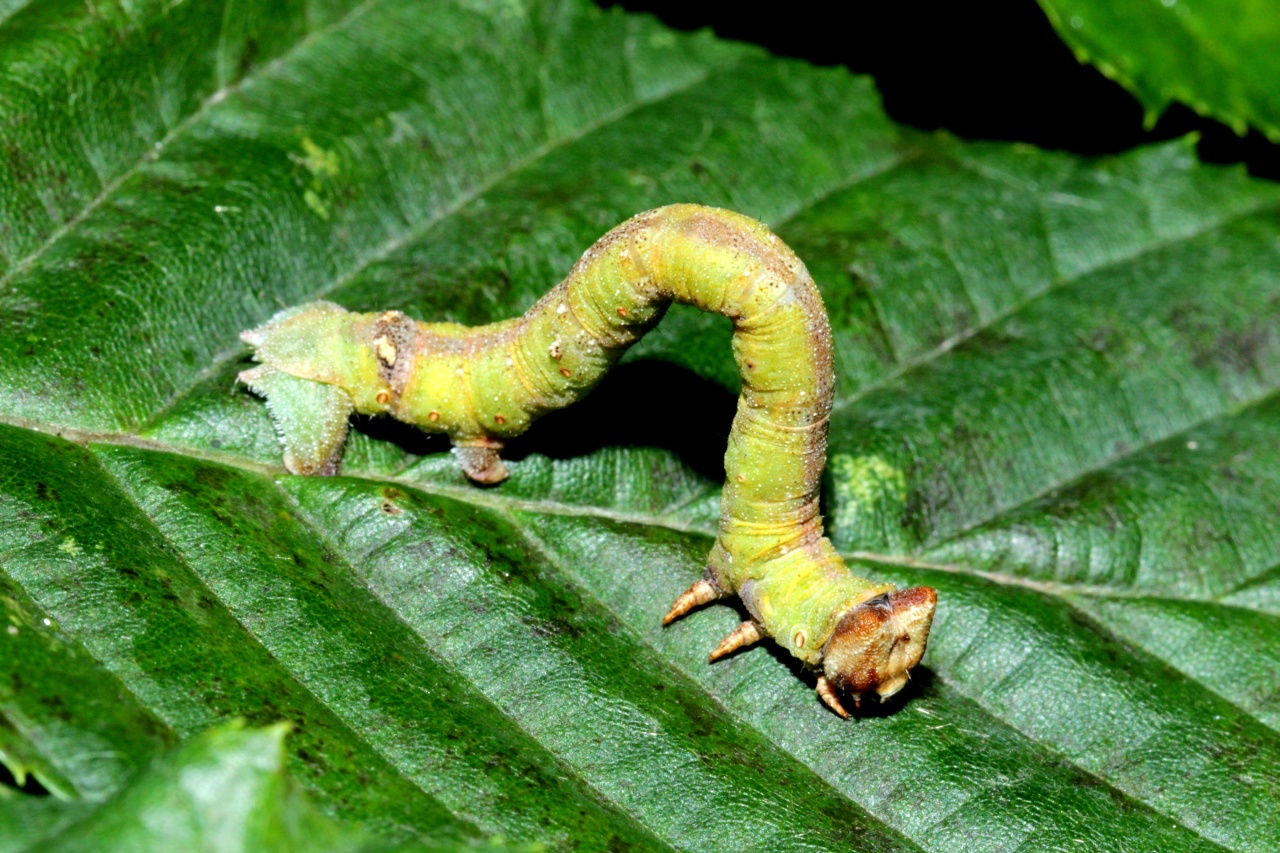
1219 57
225 790
1056 404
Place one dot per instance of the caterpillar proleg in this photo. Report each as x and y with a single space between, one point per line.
481 386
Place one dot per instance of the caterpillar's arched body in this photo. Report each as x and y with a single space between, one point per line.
483 385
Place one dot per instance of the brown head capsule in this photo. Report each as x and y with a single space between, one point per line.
877 642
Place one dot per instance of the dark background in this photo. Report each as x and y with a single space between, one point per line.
990 70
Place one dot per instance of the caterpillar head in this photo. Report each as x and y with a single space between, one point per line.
876 643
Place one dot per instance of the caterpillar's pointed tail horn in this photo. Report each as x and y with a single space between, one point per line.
744 635
702 592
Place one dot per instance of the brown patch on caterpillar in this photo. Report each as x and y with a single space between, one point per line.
395 341
638 247
566 372
328 468
878 641
718 232
638 223
819 329
815 458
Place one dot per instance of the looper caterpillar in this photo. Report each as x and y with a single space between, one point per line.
483 385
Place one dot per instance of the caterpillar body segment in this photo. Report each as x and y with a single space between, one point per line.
484 385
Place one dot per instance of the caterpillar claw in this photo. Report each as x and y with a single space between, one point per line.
744 635
480 462
701 592
830 699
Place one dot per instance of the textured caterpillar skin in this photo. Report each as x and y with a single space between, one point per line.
483 385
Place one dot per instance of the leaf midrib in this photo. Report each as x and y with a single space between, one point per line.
668 521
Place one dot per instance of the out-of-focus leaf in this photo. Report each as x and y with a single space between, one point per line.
1219 57
223 791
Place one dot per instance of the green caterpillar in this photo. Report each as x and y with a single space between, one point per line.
484 385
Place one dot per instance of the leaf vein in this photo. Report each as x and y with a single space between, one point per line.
319 532
929 356
1099 465
179 556
149 155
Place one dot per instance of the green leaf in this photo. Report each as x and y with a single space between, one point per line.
1219 57
1057 404
225 790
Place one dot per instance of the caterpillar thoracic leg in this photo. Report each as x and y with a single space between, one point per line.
746 634
481 386
701 592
